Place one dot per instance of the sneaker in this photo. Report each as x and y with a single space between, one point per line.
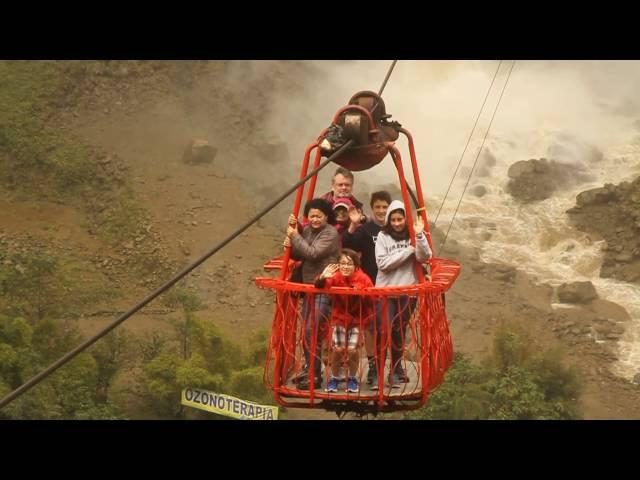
401 375
374 382
394 381
303 373
352 385
303 383
332 385
372 373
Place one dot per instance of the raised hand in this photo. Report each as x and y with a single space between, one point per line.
292 220
330 270
354 215
419 225
291 231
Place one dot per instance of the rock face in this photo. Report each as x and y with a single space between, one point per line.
595 196
199 151
599 320
577 292
535 180
612 212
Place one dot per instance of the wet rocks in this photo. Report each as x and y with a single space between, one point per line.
599 323
504 273
577 292
537 179
594 196
530 180
608 329
478 190
612 212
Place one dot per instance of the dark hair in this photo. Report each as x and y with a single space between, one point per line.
343 171
381 195
323 206
352 254
387 225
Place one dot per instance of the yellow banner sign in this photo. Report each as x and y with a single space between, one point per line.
227 405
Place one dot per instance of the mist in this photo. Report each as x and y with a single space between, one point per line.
571 111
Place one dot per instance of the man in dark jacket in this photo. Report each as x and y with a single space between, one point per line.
361 237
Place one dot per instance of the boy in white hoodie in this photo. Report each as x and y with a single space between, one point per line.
396 260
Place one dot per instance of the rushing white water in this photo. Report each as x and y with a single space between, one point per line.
580 113
575 124
538 239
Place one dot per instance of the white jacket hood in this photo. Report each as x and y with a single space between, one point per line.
395 205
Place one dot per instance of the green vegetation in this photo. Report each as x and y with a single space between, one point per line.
96 384
514 383
69 393
199 357
31 149
32 285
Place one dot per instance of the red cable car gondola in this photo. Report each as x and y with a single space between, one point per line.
428 350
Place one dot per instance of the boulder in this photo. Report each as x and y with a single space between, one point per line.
199 151
531 180
537 179
611 213
577 292
593 196
479 190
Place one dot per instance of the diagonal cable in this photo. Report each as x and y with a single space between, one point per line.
467 145
477 156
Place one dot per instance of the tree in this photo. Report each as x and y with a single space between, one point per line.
248 384
462 396
33 284
151 345
189 303
214 363
54 338
15 350
110 354
515 382
167 375
69 393
75 385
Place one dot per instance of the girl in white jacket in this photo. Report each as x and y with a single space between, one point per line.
396 260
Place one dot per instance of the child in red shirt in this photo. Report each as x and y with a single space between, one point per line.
349 316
